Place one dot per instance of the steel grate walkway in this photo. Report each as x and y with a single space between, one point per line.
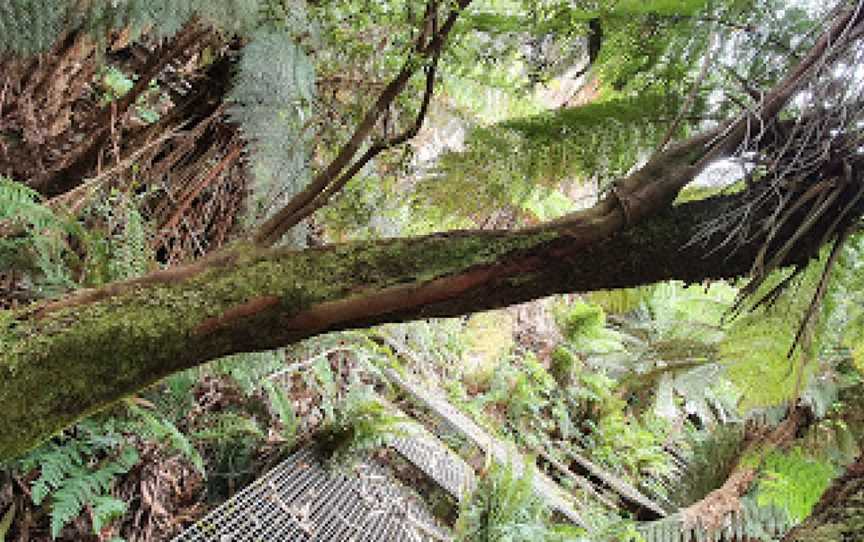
441 465
301 501
556 498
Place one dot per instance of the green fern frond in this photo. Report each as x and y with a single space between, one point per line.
793 481
162 429
284 409
515 156
360 423
78 469
105 509
32 26
273 89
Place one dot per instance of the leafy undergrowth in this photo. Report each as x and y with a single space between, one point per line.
150 467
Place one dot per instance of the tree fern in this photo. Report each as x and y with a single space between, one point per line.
514 156
32 26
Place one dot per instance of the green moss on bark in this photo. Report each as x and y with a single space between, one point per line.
73 361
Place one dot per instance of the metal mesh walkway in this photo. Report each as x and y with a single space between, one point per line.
445 468
301 501
548 490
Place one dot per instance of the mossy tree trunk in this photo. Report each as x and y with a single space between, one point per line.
68 358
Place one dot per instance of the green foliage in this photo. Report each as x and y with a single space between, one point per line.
161 429
281 404
115 84
229 439
582 321
41 248
562 366
32 26
513 157
249 370
587 416
273 90
117 247
6 522
794 482
710 457
757 345
621 301
504 508
583 325
360 423
78 471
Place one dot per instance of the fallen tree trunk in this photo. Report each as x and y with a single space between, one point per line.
68 358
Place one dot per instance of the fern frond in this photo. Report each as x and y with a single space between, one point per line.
105 509
274 86
515 156
162 429
32 26
281 404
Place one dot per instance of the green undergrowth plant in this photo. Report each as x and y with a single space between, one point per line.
359 424
793 481
579 410
79 470
40 247
58 252
504 508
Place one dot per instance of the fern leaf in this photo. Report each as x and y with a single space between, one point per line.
162 429
105 509
280 402
274 86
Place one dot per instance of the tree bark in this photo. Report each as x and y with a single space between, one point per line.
68 358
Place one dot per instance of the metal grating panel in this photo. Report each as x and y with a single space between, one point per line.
555 497
447 469
301 501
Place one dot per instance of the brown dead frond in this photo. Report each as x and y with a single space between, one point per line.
805 167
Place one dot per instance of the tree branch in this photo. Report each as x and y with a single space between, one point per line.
303 203
376 149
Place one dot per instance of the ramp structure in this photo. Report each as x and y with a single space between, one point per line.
547 489
300 501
